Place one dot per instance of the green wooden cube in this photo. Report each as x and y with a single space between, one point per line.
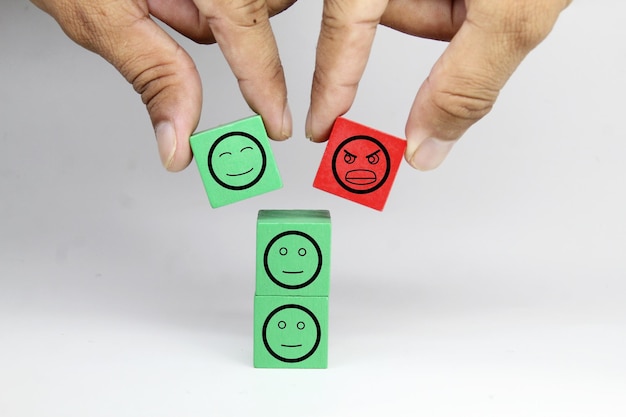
293 253
290 332
235 161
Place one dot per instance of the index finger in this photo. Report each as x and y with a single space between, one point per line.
243 33
345 41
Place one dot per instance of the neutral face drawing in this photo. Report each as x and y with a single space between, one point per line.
291 333
361 164
292 259
237 160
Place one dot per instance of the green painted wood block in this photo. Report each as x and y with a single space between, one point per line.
290 332
293 253
235 161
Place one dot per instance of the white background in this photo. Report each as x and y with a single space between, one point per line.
493 286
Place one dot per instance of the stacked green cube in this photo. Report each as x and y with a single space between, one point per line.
292 287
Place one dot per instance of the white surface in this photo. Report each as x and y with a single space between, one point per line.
493 286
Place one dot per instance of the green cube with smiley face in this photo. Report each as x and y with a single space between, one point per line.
290 332
293 253
235 161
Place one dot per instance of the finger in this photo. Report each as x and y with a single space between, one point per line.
158 68
184 17
275 7
433 19
242 30
465 82
346 36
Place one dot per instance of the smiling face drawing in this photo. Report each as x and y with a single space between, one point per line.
361 164
291 333
292 259
237 160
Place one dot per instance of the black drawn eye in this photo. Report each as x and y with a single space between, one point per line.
246 147
282 251
301 251
282 324
224 153
373 158
300 325
348 157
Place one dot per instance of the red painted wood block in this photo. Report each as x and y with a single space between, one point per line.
360 163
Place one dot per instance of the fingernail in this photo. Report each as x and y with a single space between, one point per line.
287 128
308 133
431 153
166 141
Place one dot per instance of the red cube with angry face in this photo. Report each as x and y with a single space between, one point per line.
359 163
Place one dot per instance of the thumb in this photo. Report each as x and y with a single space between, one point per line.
165 76
466 80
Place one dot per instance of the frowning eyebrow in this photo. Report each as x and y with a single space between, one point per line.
372 154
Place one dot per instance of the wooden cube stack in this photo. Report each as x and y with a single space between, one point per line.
292 288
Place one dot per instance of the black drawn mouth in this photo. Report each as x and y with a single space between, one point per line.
361 176
291 346
292 272
243 173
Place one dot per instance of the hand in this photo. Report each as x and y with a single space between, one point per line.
488 40
122 32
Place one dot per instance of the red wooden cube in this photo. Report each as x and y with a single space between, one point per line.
359 163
